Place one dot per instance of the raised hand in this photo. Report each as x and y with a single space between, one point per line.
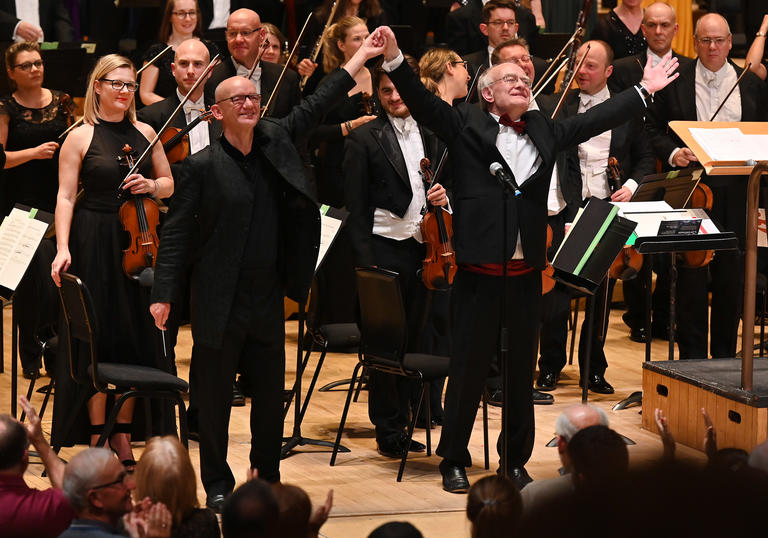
666 436
710 435
320 516
391 50
657 77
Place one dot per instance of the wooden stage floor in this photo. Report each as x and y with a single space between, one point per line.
366 493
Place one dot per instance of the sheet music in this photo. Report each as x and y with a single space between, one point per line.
648 223
19 237
329 227
730 144
641 207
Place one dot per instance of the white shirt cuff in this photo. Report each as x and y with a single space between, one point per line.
631 184
671 156
394 63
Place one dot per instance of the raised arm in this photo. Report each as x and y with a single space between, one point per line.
756 52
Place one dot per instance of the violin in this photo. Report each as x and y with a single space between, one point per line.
139 216
701 197
547 274
628 263
439 265
175 140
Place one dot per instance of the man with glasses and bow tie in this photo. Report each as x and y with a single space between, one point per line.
524 146
245 36
244 221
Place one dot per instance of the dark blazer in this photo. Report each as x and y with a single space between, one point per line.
629 71
628 144
470 135
480 58
54 20
678 102
288 94
462 27
375 175
208 223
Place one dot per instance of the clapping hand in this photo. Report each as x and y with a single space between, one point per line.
710 435
666 436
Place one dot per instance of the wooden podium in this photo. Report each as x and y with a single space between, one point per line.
735 398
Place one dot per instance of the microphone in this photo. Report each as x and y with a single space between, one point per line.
506 180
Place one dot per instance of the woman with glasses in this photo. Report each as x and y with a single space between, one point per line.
444 73
90 238
31 119
181 21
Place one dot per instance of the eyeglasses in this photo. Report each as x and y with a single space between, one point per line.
522 59
26 66
185 14
118 85
232 34
120 480
239 100
707 41
462 62
501 23
512 80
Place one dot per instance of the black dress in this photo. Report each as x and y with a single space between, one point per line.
36 182
125 329
613 31
166 84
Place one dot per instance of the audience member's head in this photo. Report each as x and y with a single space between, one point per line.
598 455
250 512
759 457
295 509
396 529
14 456
576 417
494 507
165 474
98 486
730 460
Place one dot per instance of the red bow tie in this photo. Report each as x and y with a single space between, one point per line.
518 125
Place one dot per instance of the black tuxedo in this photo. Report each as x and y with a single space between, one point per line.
471 136
628 71
288 94
376 176
213 227
678 102
54 20
462 27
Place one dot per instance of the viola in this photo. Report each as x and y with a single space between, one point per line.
701 197
439 265
139 216
628 263
175 140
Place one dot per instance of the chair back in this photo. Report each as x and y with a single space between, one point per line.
77 306
383 327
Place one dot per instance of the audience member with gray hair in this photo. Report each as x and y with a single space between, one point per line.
25 511
758 459
99 489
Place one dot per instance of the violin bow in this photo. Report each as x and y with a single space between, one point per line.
738 81
570 82
147 151
262 49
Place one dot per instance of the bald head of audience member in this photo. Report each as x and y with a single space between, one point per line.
659 27
574 419
712 41
189 62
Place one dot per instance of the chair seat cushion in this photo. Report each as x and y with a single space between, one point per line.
139 377
431 366
341 335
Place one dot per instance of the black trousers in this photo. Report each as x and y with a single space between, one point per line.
476 321
254 344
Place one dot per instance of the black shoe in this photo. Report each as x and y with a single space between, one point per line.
391 447
496 397
415 445
541 398
238 398
638 335
520 477
598 384
31 373
436 421
454 478
546 381
215 502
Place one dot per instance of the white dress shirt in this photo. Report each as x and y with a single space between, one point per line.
220 14
386 223
711 89
594 153
242 71
27 11
198 136
555 200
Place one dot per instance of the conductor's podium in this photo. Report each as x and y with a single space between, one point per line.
681 388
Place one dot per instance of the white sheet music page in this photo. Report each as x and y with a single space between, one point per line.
20 234
730 144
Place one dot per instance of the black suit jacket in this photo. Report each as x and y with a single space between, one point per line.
470 135
629 71
628 144
375 175
54 20
268 10
288 94
462 27
210 215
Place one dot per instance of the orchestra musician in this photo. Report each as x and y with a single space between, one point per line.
245 221
589 179
476 139
696 95
89 240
